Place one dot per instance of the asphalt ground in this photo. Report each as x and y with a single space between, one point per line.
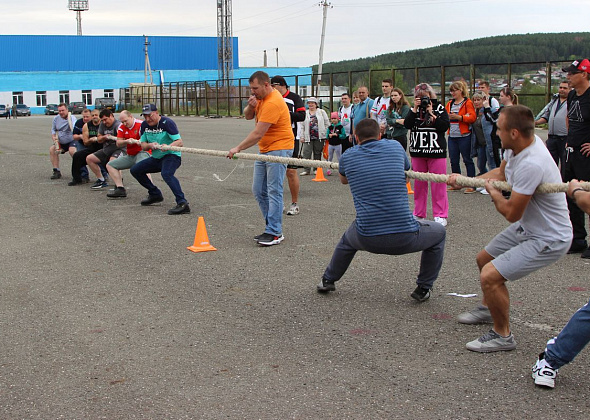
104 313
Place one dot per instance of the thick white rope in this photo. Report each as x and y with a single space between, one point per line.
421 176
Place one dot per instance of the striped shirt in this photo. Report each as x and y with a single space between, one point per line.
375 173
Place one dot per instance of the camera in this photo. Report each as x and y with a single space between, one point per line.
424 104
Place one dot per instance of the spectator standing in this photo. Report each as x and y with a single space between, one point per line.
315 129
381 104
478 137
274 136
345 115
62 133
8 111
555 116
336 136
484 86
396 113
362 109
577 165
297 113
428 122
462 115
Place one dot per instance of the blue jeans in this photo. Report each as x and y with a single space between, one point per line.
482 159
571 340
267 187
430 239
461 146
167 165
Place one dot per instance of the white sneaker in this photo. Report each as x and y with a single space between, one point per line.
419 219
543 373
484 192
441 220
492 342
293 210
304 173
479 189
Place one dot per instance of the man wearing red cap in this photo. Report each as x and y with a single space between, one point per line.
577 164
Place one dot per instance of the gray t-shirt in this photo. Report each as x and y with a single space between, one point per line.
109 146
61 127
546 216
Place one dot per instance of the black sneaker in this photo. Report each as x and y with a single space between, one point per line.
326 286
586 253
257 237
118 192
75 182
266 239
56 174
99 185
180 209
152 199
420 294
577 247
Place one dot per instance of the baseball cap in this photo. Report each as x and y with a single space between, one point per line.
312 99
278 80
578 66
334 115
148 109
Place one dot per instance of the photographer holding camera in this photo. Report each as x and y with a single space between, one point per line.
428 122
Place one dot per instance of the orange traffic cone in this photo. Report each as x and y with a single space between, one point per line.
201 239
319 176
409 187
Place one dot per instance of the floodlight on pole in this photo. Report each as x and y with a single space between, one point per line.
78 6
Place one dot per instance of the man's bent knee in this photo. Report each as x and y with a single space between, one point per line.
483 258
490 277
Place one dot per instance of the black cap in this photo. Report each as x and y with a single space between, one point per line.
279 80
148 109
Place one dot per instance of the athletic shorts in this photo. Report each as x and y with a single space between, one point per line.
125 161
64 147
295 155
517 255
104 157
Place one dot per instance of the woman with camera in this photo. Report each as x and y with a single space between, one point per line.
428 122
462 115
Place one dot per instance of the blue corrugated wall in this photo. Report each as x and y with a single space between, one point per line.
101 53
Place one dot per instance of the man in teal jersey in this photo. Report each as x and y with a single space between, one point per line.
156 131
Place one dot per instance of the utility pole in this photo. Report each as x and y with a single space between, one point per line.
265 64
147 69
277 56
325 4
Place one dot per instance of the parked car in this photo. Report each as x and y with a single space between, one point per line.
76 107
4 111
51 109
105 103
23 111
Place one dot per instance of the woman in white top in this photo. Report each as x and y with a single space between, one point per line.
315 132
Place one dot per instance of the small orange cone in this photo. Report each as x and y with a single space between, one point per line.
319 176
201 239
409 187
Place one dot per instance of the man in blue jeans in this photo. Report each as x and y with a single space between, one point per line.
384 223
274 136
158 130
562 349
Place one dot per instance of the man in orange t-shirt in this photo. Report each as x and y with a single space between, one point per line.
274 136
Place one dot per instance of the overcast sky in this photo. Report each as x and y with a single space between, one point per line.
354 29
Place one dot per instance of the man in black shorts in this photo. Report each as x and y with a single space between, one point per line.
297 112
107 136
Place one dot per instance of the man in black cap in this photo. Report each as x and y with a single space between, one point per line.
577 164
158 130
297 112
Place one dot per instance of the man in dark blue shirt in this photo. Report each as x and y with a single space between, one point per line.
384 223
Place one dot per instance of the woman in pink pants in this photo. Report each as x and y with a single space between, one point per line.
428 122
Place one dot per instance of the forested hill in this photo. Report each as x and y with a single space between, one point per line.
496 49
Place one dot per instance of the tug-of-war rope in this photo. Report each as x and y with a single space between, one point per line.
421 176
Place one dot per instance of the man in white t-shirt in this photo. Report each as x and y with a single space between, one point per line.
540 232
345 117
484 86
381 103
